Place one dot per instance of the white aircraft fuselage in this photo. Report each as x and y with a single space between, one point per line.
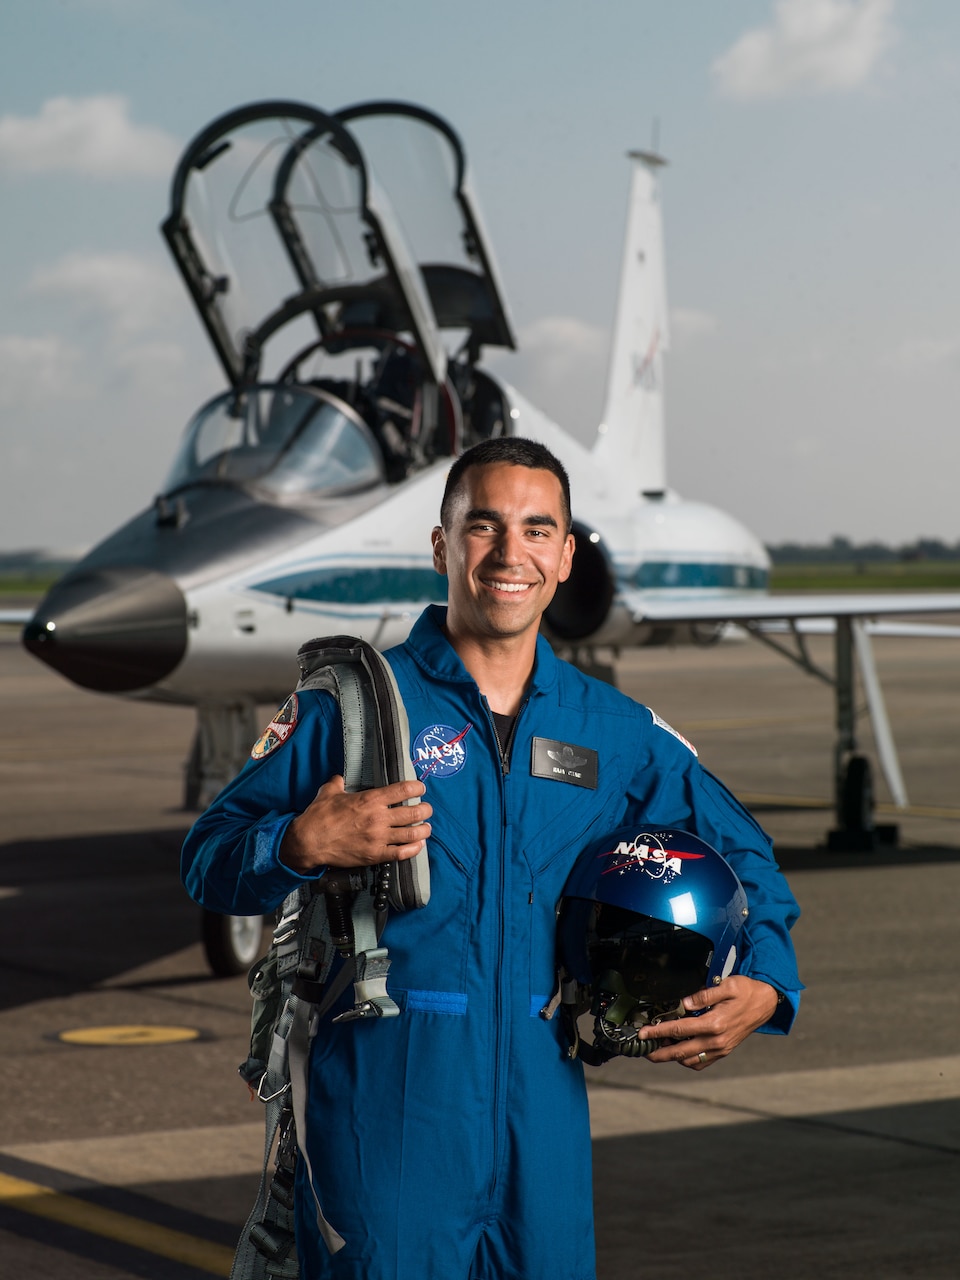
372 575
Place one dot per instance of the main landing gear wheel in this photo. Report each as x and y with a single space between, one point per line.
232 943
856 797
858 831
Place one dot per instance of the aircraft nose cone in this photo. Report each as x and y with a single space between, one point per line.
112 629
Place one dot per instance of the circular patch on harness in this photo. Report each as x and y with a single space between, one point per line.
128 1035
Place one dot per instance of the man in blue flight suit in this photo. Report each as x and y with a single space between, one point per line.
453 1142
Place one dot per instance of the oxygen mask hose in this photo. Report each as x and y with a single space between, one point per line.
619 1015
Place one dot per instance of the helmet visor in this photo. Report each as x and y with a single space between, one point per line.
658 963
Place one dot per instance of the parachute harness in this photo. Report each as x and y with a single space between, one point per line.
342 912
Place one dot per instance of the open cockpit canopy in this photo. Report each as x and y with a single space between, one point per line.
332 229
420 162
344 254
272 219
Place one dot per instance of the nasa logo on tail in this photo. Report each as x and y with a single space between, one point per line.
645 369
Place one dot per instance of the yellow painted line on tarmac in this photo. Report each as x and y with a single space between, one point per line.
746 722
128 1035
44 1202
749 798
919 811
777 720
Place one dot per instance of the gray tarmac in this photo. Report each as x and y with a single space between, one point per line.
834 1151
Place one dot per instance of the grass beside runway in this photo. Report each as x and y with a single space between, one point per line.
868 575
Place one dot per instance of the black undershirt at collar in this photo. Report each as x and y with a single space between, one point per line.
504 726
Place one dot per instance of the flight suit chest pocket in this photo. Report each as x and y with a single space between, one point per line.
572 817
561 817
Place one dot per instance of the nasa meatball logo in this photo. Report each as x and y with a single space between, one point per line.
439 751
647 854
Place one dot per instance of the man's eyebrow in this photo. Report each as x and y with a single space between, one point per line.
496 517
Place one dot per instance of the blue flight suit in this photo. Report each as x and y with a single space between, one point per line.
453 1142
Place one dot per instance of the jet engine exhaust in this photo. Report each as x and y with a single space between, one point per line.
114 630
582 603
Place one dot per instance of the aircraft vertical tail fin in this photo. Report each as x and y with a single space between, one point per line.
631 434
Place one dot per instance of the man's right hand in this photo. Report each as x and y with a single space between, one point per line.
358 828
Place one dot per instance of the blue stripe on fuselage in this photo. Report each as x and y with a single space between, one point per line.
349 584
353 584
685 574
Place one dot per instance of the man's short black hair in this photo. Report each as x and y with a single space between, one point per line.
517 452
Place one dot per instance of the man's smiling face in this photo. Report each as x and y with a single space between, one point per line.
504 550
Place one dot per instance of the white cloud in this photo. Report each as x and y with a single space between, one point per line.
555 341
687 324
560 367
38 370
920 355
133 294
150 365
812 46
93 136
804 446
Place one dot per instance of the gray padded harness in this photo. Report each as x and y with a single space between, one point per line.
343 912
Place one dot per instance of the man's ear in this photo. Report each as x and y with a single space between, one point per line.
566 560
439 550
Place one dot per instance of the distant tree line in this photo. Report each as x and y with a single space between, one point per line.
31 563
842 550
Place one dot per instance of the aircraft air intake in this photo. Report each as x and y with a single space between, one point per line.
114 630
582 603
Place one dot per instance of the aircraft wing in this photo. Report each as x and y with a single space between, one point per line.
886 627
795 607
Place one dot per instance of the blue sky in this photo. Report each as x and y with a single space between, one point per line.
814 382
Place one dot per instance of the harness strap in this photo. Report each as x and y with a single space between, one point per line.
270 1223
375 753
302 1031
376 738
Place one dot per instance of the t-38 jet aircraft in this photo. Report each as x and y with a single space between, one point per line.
340 268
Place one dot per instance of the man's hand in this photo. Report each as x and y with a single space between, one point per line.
357 829
735 1007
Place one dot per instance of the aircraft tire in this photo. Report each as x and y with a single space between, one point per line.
857 795
231 943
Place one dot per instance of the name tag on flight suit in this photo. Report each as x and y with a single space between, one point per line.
564 762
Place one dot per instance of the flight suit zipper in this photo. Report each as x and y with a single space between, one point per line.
500 1032
505 747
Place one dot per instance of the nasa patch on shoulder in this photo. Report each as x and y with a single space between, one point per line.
658 720
278 730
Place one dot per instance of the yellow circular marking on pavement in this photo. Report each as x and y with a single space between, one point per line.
128 1035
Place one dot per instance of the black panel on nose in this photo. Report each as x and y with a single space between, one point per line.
111 629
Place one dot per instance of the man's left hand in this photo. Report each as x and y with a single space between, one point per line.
734 1008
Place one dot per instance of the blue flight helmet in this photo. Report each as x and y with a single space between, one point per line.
648 916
